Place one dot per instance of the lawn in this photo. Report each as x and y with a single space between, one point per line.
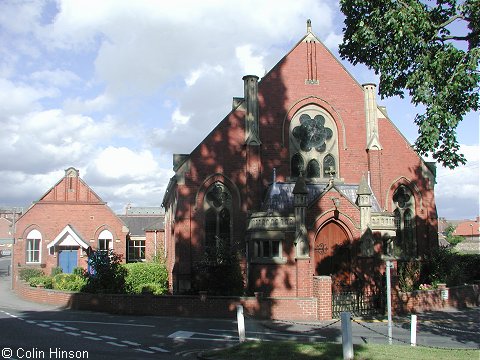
296 351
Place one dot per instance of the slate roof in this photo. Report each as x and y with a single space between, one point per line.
279 197
139 224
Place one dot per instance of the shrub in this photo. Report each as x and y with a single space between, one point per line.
219 273
155 289
79 271
444 265
56 270
45 281
107 275
69 282
408 275
152 275
27 273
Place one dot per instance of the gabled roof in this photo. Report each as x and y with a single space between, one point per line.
68 236
137 225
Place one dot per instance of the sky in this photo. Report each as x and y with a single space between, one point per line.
115 87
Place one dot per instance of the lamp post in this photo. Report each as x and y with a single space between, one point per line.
471 228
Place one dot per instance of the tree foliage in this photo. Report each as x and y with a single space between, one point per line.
411 44
451 237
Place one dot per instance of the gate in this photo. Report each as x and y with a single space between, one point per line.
357 302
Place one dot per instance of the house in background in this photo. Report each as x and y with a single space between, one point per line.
145 240
8 217
305 176
470 231
64 225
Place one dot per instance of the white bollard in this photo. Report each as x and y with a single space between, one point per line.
241 323
413 331
347 343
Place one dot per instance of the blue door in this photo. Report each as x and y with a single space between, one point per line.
67 260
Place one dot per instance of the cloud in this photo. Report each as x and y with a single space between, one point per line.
46 140
457 191
56 78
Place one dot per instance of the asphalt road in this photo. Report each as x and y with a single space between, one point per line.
35 331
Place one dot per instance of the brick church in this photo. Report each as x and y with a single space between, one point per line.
306 175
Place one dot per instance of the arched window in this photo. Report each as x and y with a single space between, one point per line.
329 168
105 240
405 242
313 169
218 219
298 165
313 142
33 246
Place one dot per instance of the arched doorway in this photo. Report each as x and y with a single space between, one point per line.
332 254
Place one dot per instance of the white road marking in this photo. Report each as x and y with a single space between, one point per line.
181 335
130 343
43 325
71 328
56 329
57 324
108 337
146 351
159 349
72 333
93 338
88 333
116 344
31 321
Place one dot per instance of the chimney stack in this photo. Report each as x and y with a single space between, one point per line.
251 116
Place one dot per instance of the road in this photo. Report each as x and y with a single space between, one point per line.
35 331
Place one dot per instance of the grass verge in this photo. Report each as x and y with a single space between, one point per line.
286 350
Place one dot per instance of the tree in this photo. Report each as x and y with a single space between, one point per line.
451 237
411 45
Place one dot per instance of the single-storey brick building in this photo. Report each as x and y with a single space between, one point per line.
64 225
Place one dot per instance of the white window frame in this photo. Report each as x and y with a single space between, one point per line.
107 236
33 236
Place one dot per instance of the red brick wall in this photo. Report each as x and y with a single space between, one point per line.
425 300
322 290
303 309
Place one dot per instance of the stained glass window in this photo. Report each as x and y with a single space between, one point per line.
312 133
313 169
298 165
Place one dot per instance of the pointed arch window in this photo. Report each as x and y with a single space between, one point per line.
218 217
298 165
329 168
313 169
405 241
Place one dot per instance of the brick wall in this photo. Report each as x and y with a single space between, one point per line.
425 300
322 290
303 309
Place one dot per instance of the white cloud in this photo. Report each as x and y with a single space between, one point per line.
56 78
115 163
18 98
457 191
251 64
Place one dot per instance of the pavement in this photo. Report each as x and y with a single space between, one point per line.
10 300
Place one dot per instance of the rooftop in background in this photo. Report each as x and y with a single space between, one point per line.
144 211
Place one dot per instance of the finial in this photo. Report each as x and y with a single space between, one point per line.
274 175
309 26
